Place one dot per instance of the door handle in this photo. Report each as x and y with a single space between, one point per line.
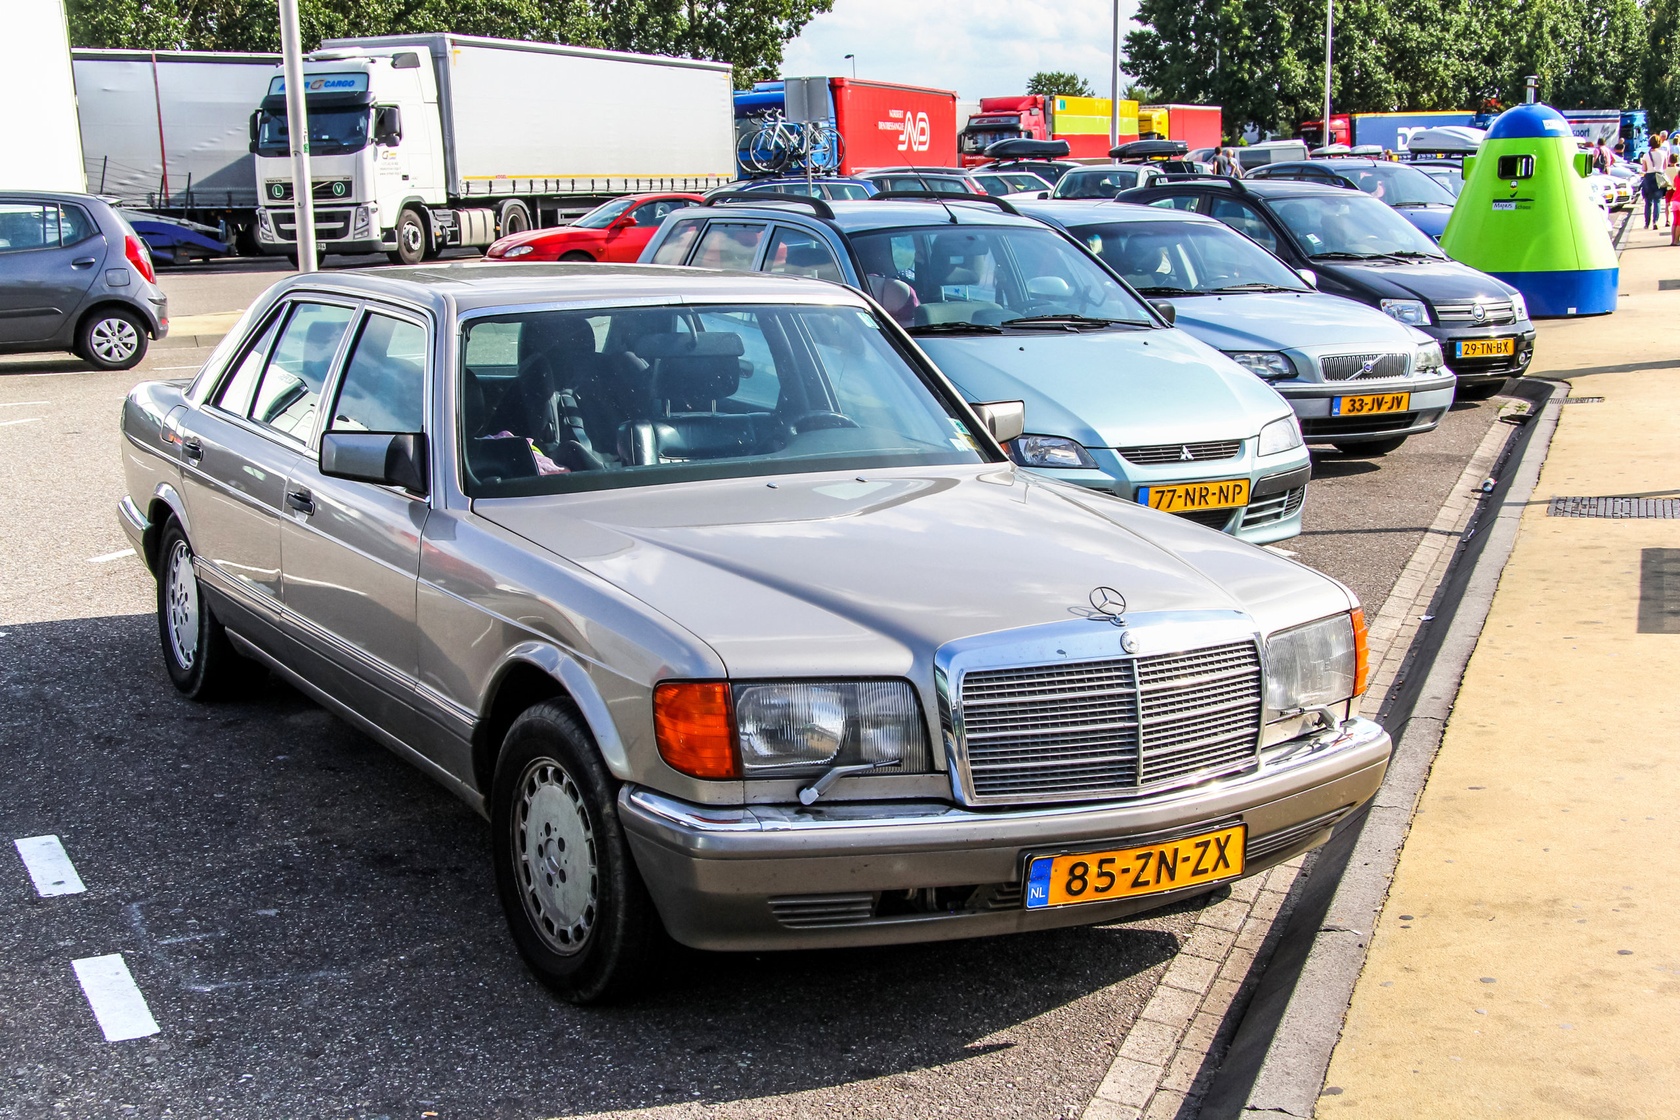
83 262
301 500
192 449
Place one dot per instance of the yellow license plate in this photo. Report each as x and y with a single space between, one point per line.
1069 880
1368 406
1485 348
1226 493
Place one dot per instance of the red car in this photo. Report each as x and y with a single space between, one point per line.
614 231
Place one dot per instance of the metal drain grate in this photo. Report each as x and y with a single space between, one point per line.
1582 400
1659 591
1668 285
1661 508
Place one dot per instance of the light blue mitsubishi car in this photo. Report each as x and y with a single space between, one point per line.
1357 379
1117 399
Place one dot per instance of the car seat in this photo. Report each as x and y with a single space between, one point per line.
692 374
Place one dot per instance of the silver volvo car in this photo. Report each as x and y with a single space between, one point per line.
713 595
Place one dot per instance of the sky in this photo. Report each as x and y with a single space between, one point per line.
980 48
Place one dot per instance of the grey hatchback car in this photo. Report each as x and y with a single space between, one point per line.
731 615
75 276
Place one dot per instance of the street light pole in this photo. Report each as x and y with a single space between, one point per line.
297 128
852 58
1329 39
1114 83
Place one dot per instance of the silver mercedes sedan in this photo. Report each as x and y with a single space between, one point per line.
733 618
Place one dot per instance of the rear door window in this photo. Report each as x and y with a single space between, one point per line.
385 382
730 245
794 252
236 391
1246 220
290 390
674 249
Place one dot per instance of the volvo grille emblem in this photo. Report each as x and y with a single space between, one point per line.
1109 603
1184 455
1367 366
1128 641
1478 313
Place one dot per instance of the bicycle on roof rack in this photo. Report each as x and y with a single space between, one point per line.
781 146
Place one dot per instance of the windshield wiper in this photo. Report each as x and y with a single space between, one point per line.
1071 322
1167 290
954 328
1414 255
1341 256
1255 286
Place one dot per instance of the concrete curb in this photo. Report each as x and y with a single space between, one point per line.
1281 1051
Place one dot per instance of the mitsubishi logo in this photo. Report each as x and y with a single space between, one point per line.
1184 455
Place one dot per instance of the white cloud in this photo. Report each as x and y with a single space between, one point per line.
980 48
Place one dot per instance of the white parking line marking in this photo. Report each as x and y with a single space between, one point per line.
49 866
9 423
115 998
21 404
110 556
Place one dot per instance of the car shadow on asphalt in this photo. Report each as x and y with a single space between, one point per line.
1333 464
293 898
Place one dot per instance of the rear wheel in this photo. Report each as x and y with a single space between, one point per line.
201 661
411 239
112 338
1370 449
515 217
575 903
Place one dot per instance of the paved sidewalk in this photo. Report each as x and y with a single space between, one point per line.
1527 961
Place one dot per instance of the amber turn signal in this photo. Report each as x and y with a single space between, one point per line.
1361 653
695 728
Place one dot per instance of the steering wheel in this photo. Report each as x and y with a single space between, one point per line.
819 421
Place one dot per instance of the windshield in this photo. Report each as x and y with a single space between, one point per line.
1184 258
332 132
1351 225
1398 185
978 140
978 278
1105 183
560 401
601 217
1449 177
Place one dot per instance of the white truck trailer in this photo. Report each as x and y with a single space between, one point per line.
422 142
38 125
169 131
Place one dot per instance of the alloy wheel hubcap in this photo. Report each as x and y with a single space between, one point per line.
114 340
180 601
411 237
554 854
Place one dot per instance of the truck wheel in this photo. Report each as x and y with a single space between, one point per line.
112 338
515 217
575 903
411 238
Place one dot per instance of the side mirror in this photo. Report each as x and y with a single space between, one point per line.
256 128
377 457
1166 310
387 126
623 221
1043 194
1308 275
1006 420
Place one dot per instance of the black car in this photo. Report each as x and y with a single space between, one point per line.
1425 202
1356 246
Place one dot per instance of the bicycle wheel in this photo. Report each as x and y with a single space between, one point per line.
827 149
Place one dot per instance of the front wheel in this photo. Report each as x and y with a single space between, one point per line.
577 256
575 903
112 338
1370 449
411 238
201 661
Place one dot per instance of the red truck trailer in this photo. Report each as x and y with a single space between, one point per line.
888 125
1082 121
1199 126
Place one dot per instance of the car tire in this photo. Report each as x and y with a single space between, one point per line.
201 661
575 903
412 242
514 218
1481 391
112 338
1370 449
577 256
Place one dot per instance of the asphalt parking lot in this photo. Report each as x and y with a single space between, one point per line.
312 924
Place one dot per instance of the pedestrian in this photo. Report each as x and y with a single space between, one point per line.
1601 159
1670 172
1225 163
1651 165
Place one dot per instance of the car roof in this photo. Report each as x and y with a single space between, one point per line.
1065 211
1331 161
917 171
1261 188
473 285
859 216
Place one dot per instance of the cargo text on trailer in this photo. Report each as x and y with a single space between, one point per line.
422 142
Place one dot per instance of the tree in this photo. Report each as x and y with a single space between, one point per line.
1142 94
1660 76
1059 83
750 34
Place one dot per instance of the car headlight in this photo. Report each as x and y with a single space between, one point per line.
1429 359
1412 312
1050 451
520 251
789 728
1280 435
1315 665
1519 306
1269 364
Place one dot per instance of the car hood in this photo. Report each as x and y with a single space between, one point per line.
1289 320
1115 388
1444 280
1431 219
837 573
